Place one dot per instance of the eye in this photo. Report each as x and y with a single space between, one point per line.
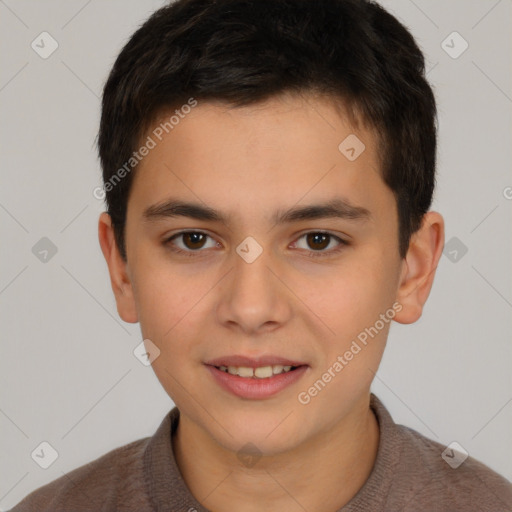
191 242
318 241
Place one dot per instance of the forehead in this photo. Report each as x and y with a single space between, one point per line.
259 157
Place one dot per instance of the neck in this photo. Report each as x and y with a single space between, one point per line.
323 474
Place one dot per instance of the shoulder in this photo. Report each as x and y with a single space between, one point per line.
114 480
450 478
413 472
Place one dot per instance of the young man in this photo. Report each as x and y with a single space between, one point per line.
269 167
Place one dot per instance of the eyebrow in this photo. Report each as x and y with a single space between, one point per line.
335 208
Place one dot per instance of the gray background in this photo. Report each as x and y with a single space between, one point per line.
67 372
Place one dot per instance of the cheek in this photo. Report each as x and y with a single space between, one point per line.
351 303
165 300
351 306
174 302
170 307
354 296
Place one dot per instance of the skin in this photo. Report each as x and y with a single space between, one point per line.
247 163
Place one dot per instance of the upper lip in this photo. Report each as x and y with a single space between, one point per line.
253 362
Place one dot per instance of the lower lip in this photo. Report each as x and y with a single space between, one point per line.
254 388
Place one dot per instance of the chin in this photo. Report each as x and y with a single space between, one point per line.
254 442
270 435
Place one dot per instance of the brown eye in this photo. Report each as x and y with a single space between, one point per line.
193 240
190 242
318 241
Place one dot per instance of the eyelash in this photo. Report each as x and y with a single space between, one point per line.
313 254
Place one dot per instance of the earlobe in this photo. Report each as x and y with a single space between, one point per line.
118 270
419 268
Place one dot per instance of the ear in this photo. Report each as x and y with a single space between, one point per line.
118 269
419 268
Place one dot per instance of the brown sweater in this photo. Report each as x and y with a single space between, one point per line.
409 475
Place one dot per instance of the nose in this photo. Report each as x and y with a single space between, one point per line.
253 297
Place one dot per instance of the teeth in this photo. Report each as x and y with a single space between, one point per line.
243 371
262 372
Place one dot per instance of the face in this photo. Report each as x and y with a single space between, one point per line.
286 254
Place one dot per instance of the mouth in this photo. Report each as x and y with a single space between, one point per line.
255 378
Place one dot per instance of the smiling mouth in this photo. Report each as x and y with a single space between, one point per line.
260 372
255 378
